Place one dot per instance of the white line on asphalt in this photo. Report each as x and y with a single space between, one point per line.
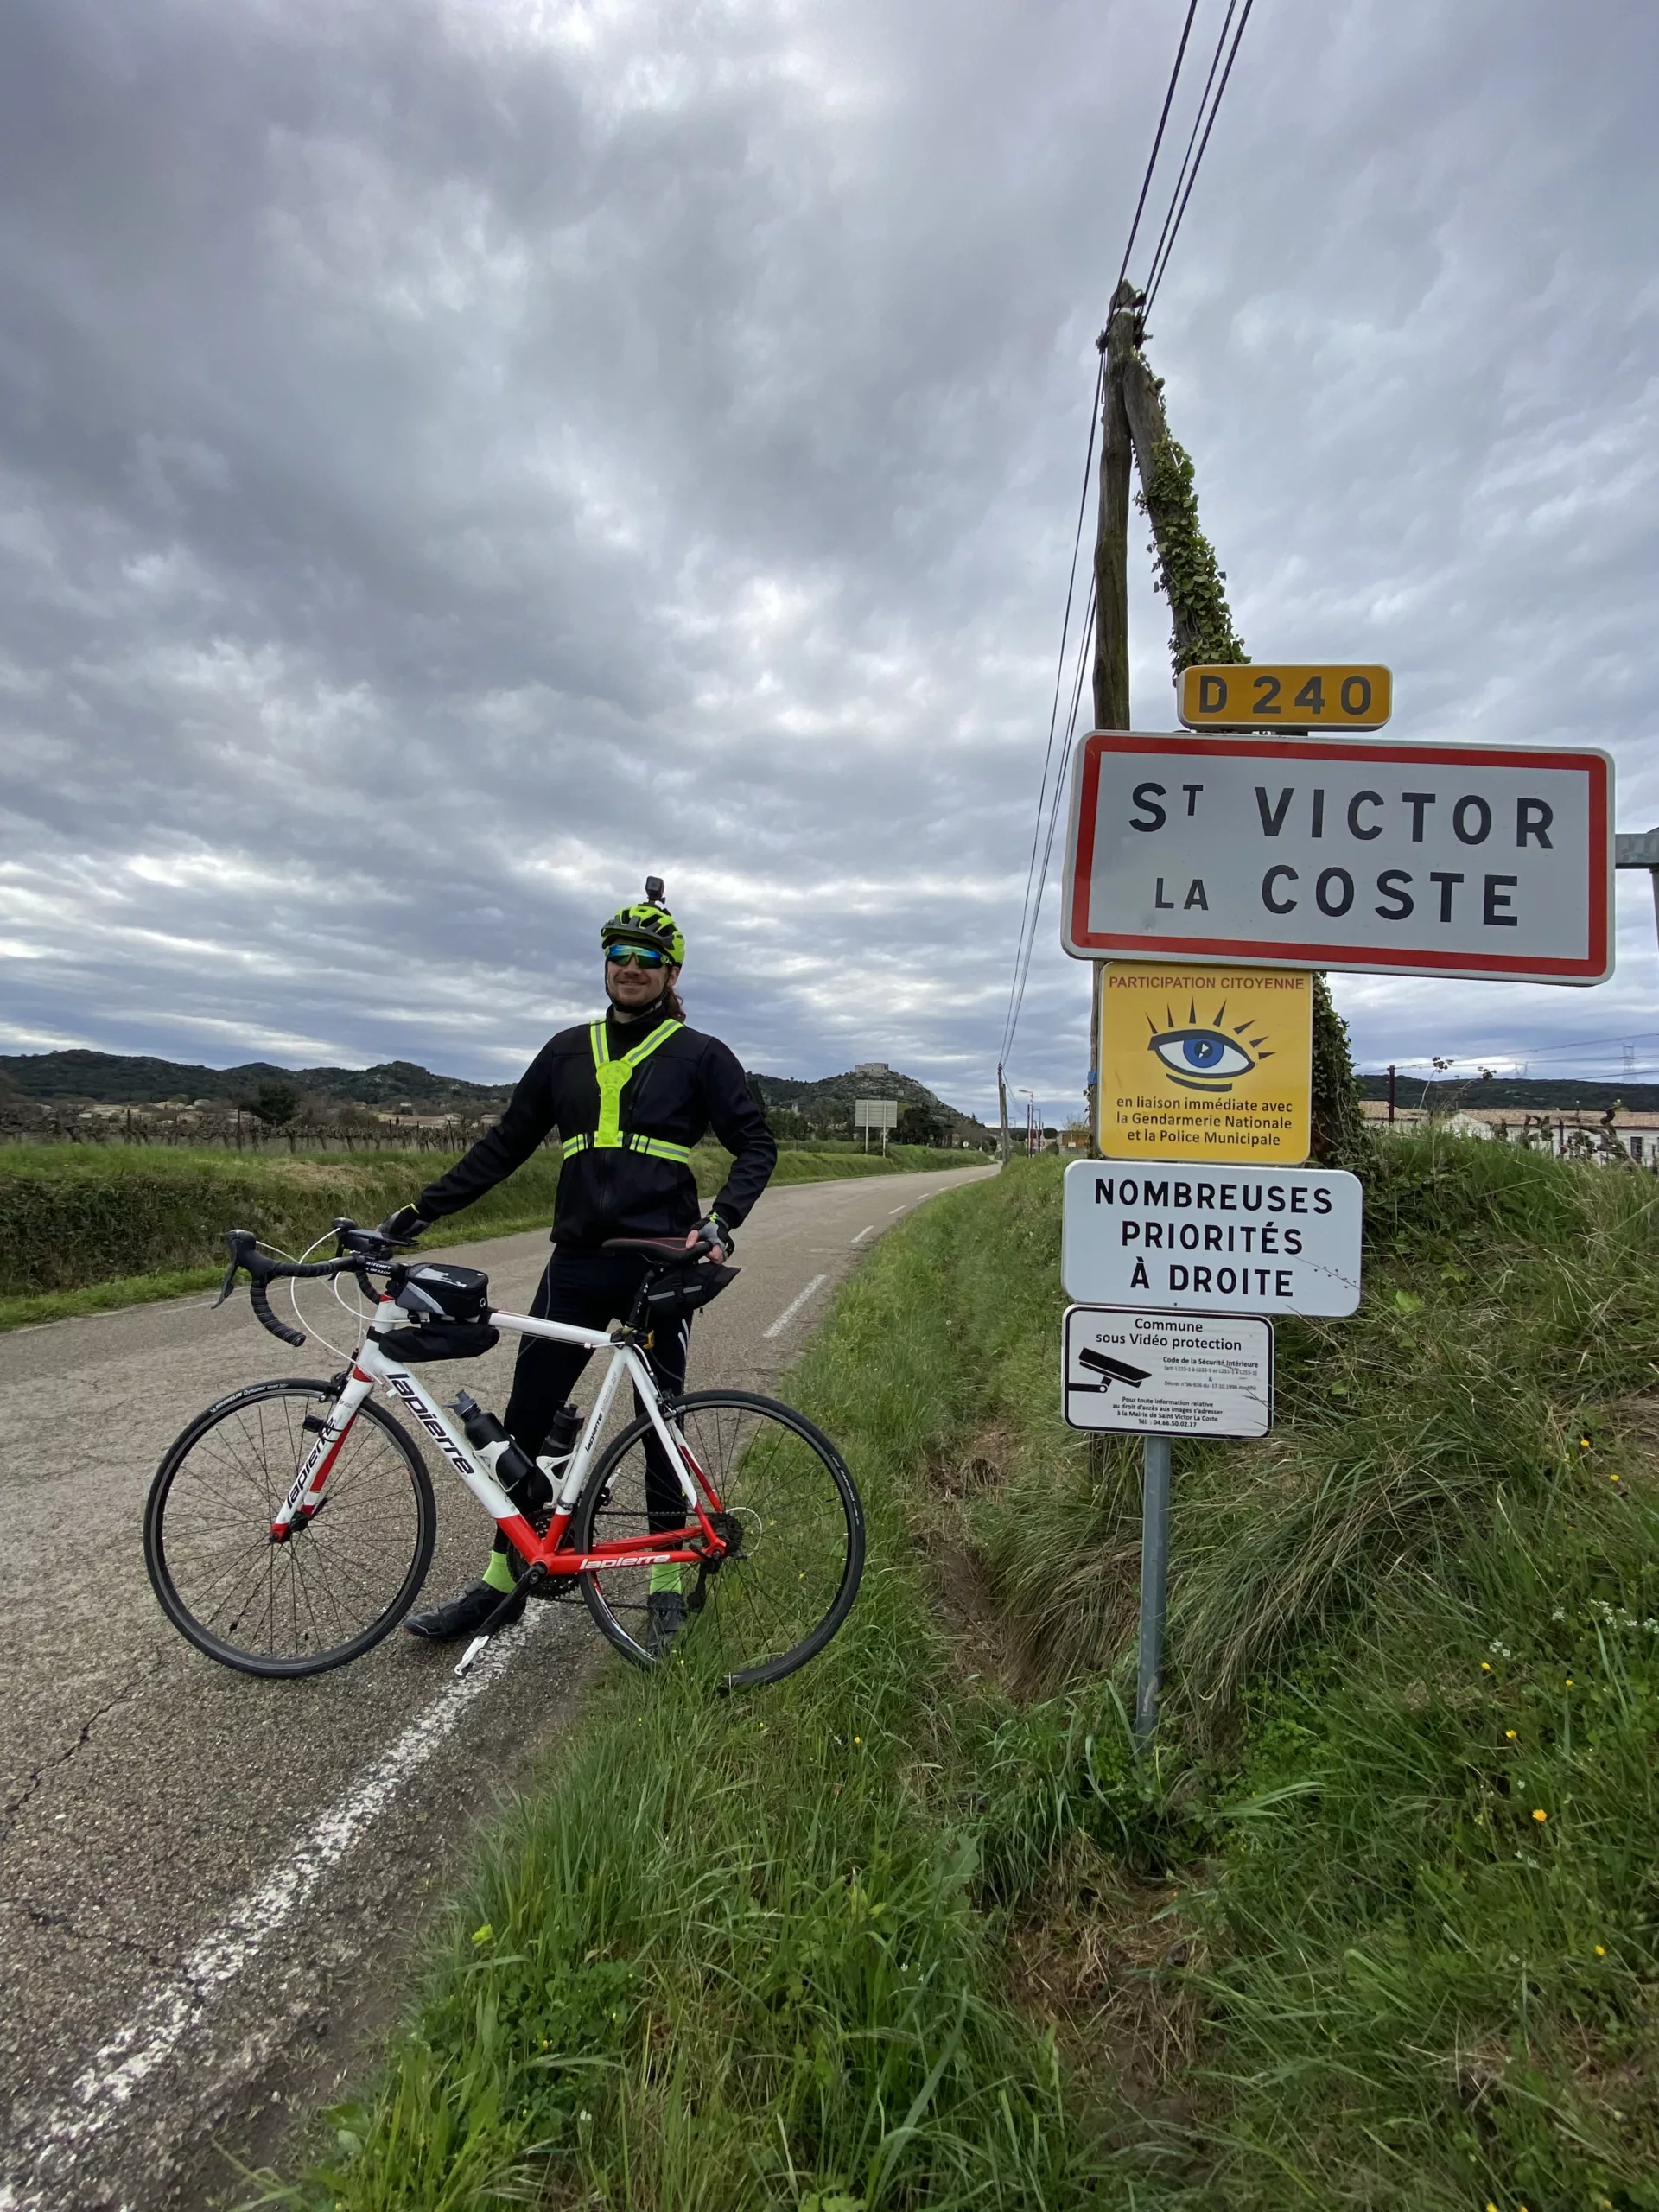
863 1233
114 2073
892 1210
794 1306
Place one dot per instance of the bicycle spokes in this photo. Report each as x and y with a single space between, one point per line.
786 1516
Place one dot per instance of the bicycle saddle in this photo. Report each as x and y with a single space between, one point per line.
670 1252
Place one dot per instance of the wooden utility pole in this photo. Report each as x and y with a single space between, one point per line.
1111 672
1201 631
1003 1116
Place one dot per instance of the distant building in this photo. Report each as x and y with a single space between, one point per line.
873 1067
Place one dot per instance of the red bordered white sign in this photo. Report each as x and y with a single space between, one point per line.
1492 861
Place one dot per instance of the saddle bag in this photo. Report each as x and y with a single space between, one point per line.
672 1300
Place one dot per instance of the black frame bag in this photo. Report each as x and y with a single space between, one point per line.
449 1308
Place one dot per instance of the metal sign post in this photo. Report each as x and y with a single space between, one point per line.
1154 1582
875 1114
1160 1374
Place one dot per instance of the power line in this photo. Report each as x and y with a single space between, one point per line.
1022 965
1036 877
1197 120
1158 135
1156 276
1027 918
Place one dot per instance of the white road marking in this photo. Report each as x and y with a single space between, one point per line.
795 1306
893 1210
176 2003
863 1233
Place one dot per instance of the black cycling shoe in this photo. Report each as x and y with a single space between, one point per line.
665 1618
465 1615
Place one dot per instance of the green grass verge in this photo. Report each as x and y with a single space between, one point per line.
779 1951
1422 1614
88 1229
728 1952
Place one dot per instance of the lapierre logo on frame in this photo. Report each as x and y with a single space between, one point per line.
1240 1240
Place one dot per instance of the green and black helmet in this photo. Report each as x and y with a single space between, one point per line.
650 925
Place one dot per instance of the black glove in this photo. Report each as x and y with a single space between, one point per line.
403 1227
713 1230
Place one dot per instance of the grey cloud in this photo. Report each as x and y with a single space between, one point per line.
449 468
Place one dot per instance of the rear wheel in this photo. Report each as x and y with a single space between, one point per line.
788 1508
339 1583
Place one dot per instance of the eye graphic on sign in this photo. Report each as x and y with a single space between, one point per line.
1202 1056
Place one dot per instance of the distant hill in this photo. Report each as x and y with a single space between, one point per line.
1563 1095
121 1079
834 1094
125 1079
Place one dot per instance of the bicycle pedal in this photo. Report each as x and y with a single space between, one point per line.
464 1664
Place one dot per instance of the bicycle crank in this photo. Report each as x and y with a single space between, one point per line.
527 1587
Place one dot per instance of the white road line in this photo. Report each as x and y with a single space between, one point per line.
794 1306
176 2003
863 1233
893 1210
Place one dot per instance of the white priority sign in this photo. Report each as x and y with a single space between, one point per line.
1212 1240
1167 1374
1408 859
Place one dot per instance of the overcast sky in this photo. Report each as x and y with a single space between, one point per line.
457 459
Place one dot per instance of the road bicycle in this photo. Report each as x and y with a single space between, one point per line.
291 1526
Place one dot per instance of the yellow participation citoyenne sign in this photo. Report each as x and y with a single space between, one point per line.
1201 1063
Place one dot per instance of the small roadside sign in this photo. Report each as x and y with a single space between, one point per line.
1167 1374
1287 695
1212 1240
1201 1063
1415 860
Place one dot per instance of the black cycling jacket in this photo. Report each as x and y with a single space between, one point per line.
690 1083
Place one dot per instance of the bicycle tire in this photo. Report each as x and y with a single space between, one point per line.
824 1529
310 1569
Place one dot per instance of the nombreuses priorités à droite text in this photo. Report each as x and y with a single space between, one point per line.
1262 1240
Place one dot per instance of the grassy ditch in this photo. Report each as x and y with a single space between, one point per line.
1379 1921
84 1229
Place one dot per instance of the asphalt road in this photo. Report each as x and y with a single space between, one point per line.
208 1883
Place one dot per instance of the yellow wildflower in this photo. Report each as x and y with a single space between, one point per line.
1538 1813
1601 1950
1510 1732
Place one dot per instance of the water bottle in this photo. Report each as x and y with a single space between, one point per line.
516 1471
554 1458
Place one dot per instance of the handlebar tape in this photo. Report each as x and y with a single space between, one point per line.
260 1302
245 1255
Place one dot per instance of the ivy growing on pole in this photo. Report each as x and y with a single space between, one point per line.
1202 632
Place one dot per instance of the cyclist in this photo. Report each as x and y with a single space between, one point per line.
629 1096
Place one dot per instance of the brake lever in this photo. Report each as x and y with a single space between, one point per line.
241 1241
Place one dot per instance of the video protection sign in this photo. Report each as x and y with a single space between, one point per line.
1148 1374
1217 1240
1429 860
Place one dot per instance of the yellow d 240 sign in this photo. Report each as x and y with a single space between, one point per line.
1252 695
1201 1063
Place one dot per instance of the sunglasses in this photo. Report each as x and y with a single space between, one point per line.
641 956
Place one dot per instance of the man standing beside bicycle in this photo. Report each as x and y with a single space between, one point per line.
630 1096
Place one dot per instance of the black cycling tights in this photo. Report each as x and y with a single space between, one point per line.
591 1290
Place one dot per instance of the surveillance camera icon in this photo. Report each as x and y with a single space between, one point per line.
1113 1371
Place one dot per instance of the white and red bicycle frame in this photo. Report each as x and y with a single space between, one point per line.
627 1364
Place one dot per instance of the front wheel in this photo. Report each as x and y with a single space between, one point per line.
339 1583
781 1494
